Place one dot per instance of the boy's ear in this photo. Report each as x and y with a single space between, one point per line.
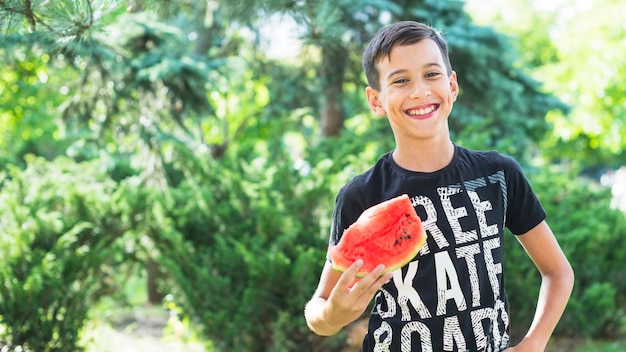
454 85
374 102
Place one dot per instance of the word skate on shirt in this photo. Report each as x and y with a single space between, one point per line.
451 296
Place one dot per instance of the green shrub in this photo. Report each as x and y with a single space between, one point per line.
58 232
592 236
243 244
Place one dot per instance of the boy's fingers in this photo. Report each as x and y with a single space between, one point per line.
385 278
370 282
353 282
348 277
372 277
374 280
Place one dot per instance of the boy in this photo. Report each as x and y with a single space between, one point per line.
451 296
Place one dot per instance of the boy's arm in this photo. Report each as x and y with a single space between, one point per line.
557 281
336 302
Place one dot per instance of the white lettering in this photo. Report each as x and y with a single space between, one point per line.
468 253
493 269
481 208
454 214
477 317
391 305
430 223
446 273
424 336
382 345
452 335
504 339
407 293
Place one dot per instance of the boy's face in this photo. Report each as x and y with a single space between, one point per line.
416 93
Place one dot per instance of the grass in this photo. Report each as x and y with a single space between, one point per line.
126 323
140 328
560 344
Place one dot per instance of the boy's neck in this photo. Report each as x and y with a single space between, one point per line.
424 157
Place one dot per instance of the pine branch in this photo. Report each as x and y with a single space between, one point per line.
30 15
26 12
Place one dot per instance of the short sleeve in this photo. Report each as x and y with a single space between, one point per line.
524 211
348 207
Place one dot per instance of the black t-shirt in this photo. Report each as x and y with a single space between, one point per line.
450 297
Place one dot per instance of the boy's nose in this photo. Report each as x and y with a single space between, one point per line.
420 91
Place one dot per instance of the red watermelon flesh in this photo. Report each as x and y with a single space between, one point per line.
388 233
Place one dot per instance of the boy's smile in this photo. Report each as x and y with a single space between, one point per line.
416 92
423 112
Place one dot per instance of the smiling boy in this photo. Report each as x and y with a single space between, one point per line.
451 296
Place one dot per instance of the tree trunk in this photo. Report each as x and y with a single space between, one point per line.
332 71
155 296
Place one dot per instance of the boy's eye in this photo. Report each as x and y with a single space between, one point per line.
433 74
401 80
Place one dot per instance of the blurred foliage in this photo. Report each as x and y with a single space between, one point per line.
140 132
591 234
61 237
253 265
575 48
29 97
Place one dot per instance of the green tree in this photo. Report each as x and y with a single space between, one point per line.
576 48
500 105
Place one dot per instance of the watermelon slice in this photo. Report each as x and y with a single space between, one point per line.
388 233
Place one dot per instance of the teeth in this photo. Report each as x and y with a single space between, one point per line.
423 111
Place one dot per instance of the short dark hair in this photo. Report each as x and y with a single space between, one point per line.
399 33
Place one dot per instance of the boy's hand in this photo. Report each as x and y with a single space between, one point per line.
351 295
